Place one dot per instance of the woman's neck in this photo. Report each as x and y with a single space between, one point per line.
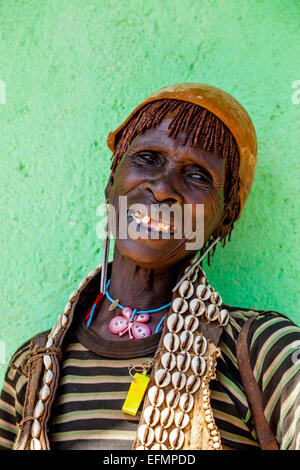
139 287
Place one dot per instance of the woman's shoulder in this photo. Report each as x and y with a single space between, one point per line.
270 332
265 324
16 364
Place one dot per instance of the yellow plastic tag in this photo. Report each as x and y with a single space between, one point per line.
136 393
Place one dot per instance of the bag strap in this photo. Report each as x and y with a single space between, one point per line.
265 436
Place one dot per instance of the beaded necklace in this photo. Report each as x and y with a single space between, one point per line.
132 320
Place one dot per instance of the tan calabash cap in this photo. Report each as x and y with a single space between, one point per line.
226 108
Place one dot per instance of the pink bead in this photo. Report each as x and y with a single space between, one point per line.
127 312
117 325
140 330
143 317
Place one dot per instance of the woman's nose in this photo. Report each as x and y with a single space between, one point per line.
163 189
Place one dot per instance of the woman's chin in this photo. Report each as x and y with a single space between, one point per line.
147 252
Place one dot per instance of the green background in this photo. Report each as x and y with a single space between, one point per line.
73 70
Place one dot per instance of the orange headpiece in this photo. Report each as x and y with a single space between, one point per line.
226 108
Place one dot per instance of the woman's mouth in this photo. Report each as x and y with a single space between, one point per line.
150 224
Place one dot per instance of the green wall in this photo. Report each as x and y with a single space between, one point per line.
73 69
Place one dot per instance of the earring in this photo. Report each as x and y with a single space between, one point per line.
198 261
105 253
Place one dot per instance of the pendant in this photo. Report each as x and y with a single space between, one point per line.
136 329
136 393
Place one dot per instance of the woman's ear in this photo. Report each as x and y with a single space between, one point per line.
109 186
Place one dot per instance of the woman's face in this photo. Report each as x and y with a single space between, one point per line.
157 169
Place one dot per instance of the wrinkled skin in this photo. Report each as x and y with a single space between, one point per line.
159 169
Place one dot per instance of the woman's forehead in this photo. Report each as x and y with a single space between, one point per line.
156 139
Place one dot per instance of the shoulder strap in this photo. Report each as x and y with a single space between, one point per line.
253 394
32 367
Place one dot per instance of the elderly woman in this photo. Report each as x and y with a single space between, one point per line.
154 360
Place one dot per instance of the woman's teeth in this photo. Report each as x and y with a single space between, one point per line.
148 223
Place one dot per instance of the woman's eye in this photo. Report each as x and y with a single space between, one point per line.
148 158
145 158
199 178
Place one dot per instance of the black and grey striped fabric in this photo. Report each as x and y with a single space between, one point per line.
87 409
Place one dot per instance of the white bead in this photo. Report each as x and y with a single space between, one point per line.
39 409
48 377
63 320
44 392
47 361
145 434
35 428
151 415
35 444
82 283
73 296
49 342
55 330
67 308
176 439
92 273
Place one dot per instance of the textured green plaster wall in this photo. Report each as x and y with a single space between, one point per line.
73 69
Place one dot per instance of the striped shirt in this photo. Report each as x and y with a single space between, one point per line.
87 414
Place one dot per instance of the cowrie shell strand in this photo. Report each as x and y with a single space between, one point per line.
186 289
63 320
35 444
181 419
44 392
203 292
178 380
159 447
212 312
55 330
151 415
156 396
216 298
171 342
73 296
172 398
67 308
192 384
175 323
191 323
48 377
183 361
176 439
168 361
161 435
200 345
49 342
39 409
198 365
146 434
179 305
167 417
186 340
186 402
47 361
197 307
162 378
223 317
36 428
